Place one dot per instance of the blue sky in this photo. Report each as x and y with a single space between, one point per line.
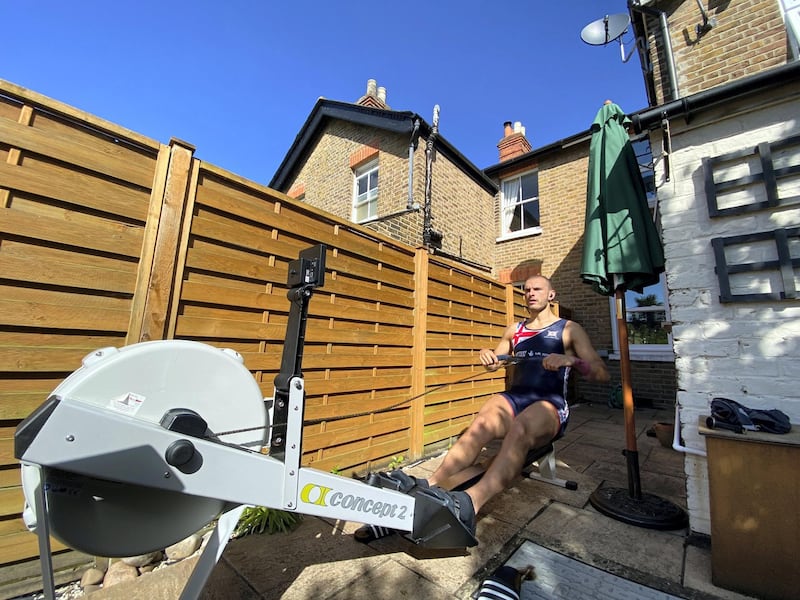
237 79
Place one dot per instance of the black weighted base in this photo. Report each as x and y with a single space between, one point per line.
649 511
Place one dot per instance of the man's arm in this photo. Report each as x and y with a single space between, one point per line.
489 357
581 355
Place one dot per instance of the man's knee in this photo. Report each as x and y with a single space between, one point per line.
536 426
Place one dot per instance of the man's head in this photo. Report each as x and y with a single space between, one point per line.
539 292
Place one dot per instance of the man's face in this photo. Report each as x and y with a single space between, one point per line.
538 293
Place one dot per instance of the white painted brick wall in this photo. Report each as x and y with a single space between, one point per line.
746 351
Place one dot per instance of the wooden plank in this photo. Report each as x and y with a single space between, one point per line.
356 384
10 476
291 217
38 359
323 305
54 106
194 327
11 500
66 298
448 324
233 263
114 238
258 361
343 286
39 270
162 277
183 247
419 334
476 313
339 409
81 150
75 187
330 439
25 314
149 235
25 117
20 546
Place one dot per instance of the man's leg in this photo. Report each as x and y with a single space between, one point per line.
492 421
533 427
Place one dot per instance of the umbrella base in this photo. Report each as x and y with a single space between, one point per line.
649 511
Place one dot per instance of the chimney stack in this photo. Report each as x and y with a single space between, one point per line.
375 96
514 142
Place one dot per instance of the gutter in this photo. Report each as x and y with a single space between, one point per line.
740 88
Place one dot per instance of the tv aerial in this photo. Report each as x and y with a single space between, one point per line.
606 30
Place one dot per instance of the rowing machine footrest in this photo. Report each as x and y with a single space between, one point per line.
435 525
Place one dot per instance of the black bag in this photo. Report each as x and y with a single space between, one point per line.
729 414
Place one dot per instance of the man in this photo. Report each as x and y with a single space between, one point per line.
530 414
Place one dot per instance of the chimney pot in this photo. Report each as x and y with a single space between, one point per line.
382 94
372 85
507 131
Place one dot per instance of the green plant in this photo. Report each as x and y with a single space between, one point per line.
396 461
260 519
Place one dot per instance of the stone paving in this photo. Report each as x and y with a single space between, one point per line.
575 548
558 576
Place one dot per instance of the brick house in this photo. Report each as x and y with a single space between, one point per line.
724 90
539 220
341 143
392 172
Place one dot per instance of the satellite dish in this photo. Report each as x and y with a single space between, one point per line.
606 30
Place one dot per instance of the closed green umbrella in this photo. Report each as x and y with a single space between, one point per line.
621 245
622 251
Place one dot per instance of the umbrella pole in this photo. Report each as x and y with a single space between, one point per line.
631 450
632 506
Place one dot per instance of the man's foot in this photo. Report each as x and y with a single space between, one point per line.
504 584
369 533
460 504
404 483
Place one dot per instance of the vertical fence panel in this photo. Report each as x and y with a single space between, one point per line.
74 202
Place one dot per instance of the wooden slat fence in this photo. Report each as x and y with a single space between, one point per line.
108 238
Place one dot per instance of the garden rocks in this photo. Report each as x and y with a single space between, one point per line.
129 568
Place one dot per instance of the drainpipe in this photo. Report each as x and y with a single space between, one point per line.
410 205
427 225
664 26
676 438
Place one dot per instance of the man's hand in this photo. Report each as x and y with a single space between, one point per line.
489 360
553 362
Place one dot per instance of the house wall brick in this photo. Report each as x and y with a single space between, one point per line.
457 201
747 351
750 37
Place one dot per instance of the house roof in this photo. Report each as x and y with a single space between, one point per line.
497 169
388 120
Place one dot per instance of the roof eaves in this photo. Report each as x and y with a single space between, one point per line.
387 120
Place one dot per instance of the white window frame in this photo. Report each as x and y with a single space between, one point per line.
370 197
645 352
509 206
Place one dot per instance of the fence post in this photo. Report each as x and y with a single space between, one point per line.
159 258
510 318
419 353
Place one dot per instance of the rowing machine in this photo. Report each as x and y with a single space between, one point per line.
144 445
